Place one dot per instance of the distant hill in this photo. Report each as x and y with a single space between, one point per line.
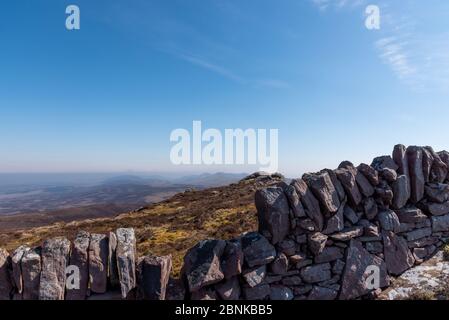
211 180
168 227
137 180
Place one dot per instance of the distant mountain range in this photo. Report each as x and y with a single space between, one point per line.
205 180
114 193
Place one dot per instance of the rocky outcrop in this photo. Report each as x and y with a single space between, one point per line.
17 279
273 212
202 265
126 260
355 281
31 273
417 180
112 261
55 258
153 274
79 257
98 263
350 231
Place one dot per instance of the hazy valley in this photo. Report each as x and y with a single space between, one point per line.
32 203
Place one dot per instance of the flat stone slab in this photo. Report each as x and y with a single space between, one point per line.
429 277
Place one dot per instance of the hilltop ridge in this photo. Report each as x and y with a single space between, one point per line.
171 226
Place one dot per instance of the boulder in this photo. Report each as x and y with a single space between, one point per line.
292 281
337 184
232 259
324 190
417 181
439 169
418 234
371 230
317 243
411 215
31 273
288 247
444 156
365 186
374 247
356 275
257 293
316 273
17 278
229 289
176 290
423 242
273 213
437 192
202 264
338 266
401 192
295 202
384 162
348 234
310 203
440 223
351 215
257 250
55 258
400 158
336 222
370 173
346 165
398 256
281 293
79 257
347 178
329 254
436 209
427 163
370 208
384 195
389 221
389 175
112 261
255 276
5 271
98 263
322 294
279 265
153 277
126 260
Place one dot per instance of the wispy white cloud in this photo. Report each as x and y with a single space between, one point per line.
394 53
201 62
416 50
222 71
418 58
325 4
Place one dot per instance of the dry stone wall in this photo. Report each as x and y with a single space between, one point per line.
334 234
94 266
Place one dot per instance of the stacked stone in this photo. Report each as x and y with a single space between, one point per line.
335 234
92 267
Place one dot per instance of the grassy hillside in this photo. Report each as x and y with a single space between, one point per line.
168 227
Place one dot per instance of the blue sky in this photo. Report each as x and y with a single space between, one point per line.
106 97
